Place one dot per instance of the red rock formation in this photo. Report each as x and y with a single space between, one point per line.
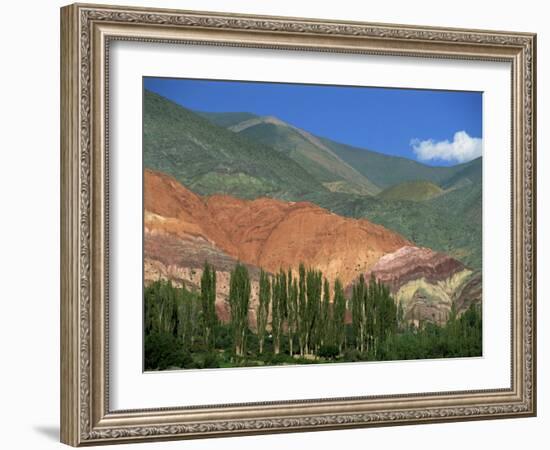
183 230
427 283
264 232
411 263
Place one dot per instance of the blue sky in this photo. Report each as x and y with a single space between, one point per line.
434 127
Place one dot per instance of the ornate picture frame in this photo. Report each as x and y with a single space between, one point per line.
87 31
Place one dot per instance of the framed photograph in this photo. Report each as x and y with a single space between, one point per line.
275 224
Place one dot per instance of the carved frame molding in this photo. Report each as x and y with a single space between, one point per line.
86 32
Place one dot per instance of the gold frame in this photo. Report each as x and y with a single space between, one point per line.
86 31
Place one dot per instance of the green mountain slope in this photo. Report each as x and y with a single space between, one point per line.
386 171
308 151
226 119
211 159
450 222
469 173
249 156
415 191
323 158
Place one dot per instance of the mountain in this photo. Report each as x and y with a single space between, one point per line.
469 174
338 165
264 232
415 191
427 283
449 223
210 159
182 230
385 170
309 152
249 156
226 119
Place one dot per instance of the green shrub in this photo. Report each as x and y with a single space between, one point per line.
352 355
328 351
162 350
211 361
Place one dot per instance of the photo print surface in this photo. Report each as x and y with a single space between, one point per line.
293 224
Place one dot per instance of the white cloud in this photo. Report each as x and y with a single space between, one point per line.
463 148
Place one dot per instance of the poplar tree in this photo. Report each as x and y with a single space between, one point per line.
208 303
151 302
324 317
372 319
239 299
355 316
167 316
386 315
170 310
401 316
302 309
279 306
275 314
292 310
338 315
313 304
284 296
359 303
160 314
187 315
375 315
263 308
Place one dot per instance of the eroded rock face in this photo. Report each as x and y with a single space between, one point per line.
471 293
183 230
427 283
182 260
191 276
265 232
411 263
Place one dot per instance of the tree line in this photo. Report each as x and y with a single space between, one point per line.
300 317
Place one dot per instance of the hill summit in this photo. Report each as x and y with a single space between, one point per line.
415 191
264 232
